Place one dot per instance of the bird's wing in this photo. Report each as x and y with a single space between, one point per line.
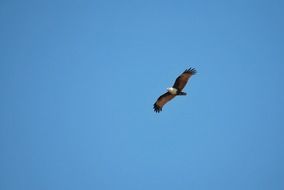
162 100
183 78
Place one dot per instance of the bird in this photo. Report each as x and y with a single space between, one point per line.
175 90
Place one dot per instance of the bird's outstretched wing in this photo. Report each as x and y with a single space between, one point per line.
162 100
183 78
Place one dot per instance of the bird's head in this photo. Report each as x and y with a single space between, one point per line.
170 89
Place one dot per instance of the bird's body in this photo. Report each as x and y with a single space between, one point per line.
176 90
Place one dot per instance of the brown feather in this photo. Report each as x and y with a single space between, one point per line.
179 84
162 100
183 78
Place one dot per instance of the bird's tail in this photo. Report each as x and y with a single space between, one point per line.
182 93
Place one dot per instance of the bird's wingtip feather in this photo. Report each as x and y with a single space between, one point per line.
191 71
157 108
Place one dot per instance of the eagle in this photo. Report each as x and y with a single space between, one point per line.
174 91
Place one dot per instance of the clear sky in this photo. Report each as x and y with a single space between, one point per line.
79 78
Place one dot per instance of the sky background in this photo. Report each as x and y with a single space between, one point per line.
78 80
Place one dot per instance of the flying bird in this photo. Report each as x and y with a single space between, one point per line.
174 91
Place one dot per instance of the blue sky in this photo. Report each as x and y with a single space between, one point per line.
78 80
